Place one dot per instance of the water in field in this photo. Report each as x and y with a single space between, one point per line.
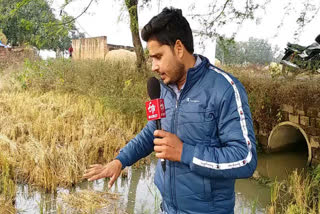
139 195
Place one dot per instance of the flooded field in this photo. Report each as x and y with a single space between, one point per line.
138 194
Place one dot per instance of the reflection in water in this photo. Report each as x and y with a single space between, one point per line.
30 202
135 177
280 165
139 194
143 196
251 196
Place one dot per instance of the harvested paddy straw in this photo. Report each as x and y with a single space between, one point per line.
89 201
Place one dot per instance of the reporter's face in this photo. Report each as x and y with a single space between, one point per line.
165 62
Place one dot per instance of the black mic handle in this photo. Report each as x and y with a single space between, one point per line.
163 161
158 124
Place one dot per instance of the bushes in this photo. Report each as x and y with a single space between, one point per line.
116 83
266 95
122 89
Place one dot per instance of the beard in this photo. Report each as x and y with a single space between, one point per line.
178 73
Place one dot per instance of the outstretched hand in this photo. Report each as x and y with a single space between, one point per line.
167 145
111 170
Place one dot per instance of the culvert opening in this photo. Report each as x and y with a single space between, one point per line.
289 150
289 137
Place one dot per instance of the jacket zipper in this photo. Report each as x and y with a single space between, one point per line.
175 127
171 164
174 131
172 170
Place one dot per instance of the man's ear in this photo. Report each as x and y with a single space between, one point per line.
179 49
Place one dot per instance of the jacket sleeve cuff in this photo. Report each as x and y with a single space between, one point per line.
187 153
122 160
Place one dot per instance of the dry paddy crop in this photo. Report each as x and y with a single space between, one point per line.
49 139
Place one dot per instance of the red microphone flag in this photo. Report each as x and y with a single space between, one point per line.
155 109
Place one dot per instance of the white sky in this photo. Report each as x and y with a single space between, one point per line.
102 19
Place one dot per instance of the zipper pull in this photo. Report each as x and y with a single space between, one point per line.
176 103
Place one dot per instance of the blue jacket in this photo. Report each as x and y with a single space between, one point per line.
213 120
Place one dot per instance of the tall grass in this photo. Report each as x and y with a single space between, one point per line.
299 194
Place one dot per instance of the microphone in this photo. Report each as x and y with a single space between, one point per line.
155 107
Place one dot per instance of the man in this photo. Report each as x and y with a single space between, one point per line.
207 138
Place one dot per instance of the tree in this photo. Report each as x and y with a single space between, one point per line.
134 27
257 51
226 50
33 23
254 51
219 13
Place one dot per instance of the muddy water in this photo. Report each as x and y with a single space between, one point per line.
139 195
279 165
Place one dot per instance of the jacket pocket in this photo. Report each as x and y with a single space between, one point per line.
198 120
200 126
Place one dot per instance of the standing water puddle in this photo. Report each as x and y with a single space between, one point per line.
138 194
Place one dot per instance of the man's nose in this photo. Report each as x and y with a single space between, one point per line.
155 67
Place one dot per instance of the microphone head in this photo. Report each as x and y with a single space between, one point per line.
153 86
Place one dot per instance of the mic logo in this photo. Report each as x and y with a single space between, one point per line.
155 109
152 108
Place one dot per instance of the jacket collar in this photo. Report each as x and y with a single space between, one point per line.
194 73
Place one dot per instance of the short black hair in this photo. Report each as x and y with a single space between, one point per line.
168 27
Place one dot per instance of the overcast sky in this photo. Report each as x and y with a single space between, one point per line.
102 19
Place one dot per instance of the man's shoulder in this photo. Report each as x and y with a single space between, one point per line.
220 78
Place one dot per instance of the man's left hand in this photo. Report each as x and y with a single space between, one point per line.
167 146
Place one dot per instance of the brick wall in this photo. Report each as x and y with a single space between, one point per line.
309 120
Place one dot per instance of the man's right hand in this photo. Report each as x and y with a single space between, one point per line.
111 170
